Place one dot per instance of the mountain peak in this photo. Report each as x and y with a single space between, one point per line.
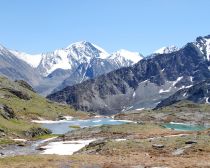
128 55
78 44
166 50
203 43
88 47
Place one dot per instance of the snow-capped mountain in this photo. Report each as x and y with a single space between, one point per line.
70 57
125 57
84 52
78 62
166 50
74 64
32 60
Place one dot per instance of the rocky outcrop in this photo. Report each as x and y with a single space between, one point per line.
25 85
6 112
20 94
37 131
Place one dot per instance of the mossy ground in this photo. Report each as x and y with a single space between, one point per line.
128 154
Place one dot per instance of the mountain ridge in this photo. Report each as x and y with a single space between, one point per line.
142 85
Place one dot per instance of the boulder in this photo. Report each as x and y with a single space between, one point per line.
37 131
101 142
191 142
158 146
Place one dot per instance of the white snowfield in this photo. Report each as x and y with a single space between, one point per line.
65 147
32 60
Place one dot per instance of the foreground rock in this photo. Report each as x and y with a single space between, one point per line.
36 131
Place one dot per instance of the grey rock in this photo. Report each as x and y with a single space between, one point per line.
7 112
158 146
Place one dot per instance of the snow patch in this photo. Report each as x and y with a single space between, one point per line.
184 94
166 50
65 147
134 94
140 109
207 100
164 91
188 86
32 60
177 80
191 79
119 140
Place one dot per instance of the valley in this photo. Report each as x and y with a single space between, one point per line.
104 84
106 110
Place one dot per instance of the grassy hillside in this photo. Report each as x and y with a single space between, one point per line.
19 104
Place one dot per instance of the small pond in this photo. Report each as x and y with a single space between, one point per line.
185 127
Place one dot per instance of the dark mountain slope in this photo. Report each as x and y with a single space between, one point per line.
199 93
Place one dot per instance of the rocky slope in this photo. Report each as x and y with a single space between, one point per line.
15 68
142 85
198 93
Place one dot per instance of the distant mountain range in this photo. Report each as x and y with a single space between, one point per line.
87 77
144 84
64 67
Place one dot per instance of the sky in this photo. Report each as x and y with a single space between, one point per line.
36 26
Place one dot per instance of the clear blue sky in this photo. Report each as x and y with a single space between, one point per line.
138 25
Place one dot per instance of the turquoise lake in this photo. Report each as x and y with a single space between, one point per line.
62 126
185 127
